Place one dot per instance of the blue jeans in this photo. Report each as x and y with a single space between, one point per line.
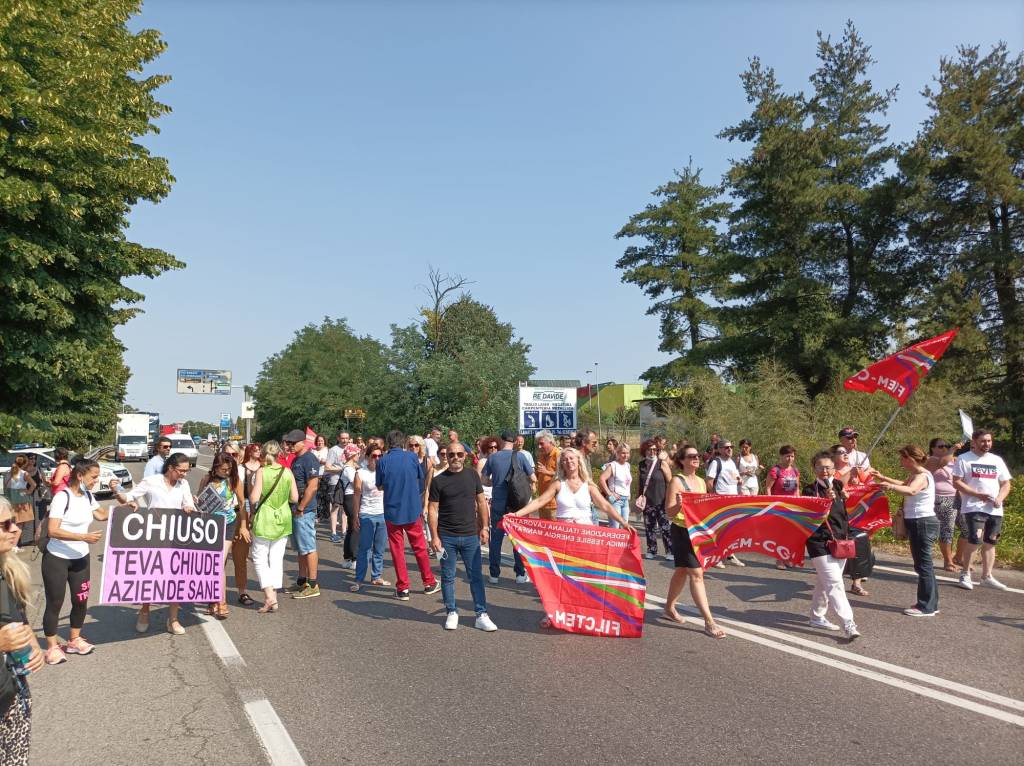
468 547
622 506
372 533
922 534
494 551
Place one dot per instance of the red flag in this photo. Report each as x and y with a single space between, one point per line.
310 437
868 508
589 578
898 375
720 525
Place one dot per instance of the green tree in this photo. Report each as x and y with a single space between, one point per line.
199 428
967 170
677 266
72 111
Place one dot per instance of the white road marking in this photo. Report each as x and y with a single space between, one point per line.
943 578
276 740
774 638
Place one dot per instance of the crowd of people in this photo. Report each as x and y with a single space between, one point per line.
442 497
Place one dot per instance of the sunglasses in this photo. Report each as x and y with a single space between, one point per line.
456 454
942 446
8 524
841 452
691 456
726 446
375 454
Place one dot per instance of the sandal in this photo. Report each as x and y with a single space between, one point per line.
269 606
714 631
859 591
951 568
380 581
245 599
222 612
211 610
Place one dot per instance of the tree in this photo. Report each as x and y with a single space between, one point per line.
72 111
324 370
199 428
967 169
678 267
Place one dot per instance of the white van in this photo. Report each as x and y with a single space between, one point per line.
184 444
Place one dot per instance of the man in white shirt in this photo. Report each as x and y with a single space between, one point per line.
430 445
155 465
848 438
723 478
333 467
983 481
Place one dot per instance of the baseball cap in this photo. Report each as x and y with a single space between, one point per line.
509 436
847 432
295 436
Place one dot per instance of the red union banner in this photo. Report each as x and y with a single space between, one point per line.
868 508
720 525
898 375
589 578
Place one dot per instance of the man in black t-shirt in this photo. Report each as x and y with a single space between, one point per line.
457 515
306 470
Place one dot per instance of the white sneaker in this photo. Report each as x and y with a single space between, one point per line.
815 622
720 565
669 557
733 560
492 580
850 630
348 565
648 555
522 579
451 622
965 581
992 582
484 623
915 612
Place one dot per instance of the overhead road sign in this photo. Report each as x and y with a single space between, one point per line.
204 382
551 408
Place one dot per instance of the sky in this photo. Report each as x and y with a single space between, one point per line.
327 154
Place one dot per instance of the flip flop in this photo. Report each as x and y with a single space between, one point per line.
714 631
379 582
859 591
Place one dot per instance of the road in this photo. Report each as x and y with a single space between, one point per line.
363 678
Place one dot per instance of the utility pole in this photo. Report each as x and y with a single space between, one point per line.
597 374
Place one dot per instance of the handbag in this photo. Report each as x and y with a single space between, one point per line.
641 499
899 525
840 549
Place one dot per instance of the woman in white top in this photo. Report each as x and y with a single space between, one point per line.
167 489
922 525
369 523
616 480
573 494
66 559
750 466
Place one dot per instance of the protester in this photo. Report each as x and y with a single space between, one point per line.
845 472
519 446
38 496
15 636
61 472
345 490
224 479
20 488
723 478
66 560
414 444
564 441
858 460
487 446
287 457
711 451
784 480
323 500
442 460
941 455
431 446
828 589
611 446
654 477
305 470
168 489
369 522
687 565
241 543
615 481
546 468
333 466
573 495
400 476
750 466
495 475
585 443
922 525
272 495
154 466
458 519
983 481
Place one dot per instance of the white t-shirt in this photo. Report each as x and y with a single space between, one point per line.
335 459
158 495
349 474
621 479
528 456
983 474
75 514
371 499
751 464
725 482
859 459
922 504
430 447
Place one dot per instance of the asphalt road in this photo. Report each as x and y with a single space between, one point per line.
363 678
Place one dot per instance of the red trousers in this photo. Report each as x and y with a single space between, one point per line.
418 542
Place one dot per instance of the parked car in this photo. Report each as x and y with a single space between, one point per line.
184 444
110 468
44 461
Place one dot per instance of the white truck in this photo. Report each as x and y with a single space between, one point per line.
133 436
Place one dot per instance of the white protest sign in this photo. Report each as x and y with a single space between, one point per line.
967 425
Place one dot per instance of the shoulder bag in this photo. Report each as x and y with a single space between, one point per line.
840 549
641 500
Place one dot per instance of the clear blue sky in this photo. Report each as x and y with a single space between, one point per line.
327 152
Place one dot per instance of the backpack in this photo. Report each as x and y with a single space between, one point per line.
519 491
718 472
338 496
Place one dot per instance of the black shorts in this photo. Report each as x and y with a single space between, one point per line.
977 523
682 548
